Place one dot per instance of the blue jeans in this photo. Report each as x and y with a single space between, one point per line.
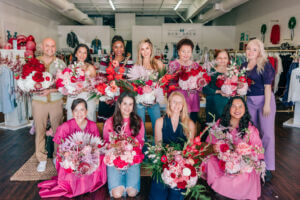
153 111
126 178
159 191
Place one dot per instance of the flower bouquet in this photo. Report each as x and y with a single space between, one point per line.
239 158
71 80
34 77
234 82
193 79
123 151
80 153
144 83
178 168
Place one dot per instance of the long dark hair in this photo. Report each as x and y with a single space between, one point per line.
88 57
244 121
135 120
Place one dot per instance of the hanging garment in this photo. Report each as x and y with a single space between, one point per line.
96 45
72 40
286 63
275 34
285 101
294 94
7 95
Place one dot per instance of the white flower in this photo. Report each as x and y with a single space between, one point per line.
186 172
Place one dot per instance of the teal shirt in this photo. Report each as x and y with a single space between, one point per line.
215 103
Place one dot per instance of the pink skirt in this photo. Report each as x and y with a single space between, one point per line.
241 186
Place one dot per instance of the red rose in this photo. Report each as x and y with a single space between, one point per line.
206 77
221 164
17 77
164 159
59 83
83 167
173 175
165 166
140 91
181 185
150 82
219 83
194 72
47 78
197 140
184 76
120 163
38 77
73 79
67 70
224 147
203 168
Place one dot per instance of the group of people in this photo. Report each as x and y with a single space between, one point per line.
177 125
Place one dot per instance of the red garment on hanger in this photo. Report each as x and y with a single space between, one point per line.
275 34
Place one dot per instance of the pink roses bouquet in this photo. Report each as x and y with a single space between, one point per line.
71 80
80 153
234 82
123 151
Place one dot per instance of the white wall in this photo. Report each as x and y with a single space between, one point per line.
154 33
86 34
149 21
29 19
124 23
214 37
250 16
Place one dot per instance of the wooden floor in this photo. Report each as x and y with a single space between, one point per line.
17 146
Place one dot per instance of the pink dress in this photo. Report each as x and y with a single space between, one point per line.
67 184
108 128
241 186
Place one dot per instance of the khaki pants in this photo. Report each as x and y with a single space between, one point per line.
40 112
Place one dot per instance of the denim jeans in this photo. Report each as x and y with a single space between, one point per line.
126 178
153 111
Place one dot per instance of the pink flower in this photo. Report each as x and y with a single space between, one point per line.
243 148
147 89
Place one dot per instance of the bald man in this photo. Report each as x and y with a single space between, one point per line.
47 103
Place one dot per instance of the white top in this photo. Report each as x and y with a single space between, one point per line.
294 89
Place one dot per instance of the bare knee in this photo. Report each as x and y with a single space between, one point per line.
117 192
131 192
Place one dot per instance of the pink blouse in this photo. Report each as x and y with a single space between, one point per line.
70 126
108 128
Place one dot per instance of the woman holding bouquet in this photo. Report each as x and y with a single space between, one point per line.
153 67
234 181
175 127
185 51
261 100
127 181
117 59
82 58
215 98
67 183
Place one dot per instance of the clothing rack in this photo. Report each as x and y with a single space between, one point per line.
16 119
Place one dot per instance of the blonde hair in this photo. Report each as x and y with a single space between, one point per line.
184 115
153 62
262 56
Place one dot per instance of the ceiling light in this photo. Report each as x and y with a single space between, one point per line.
178 4
111 5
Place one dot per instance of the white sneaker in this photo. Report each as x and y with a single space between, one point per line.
42 166
54 162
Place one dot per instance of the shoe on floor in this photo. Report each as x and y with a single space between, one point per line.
268 176
42 166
